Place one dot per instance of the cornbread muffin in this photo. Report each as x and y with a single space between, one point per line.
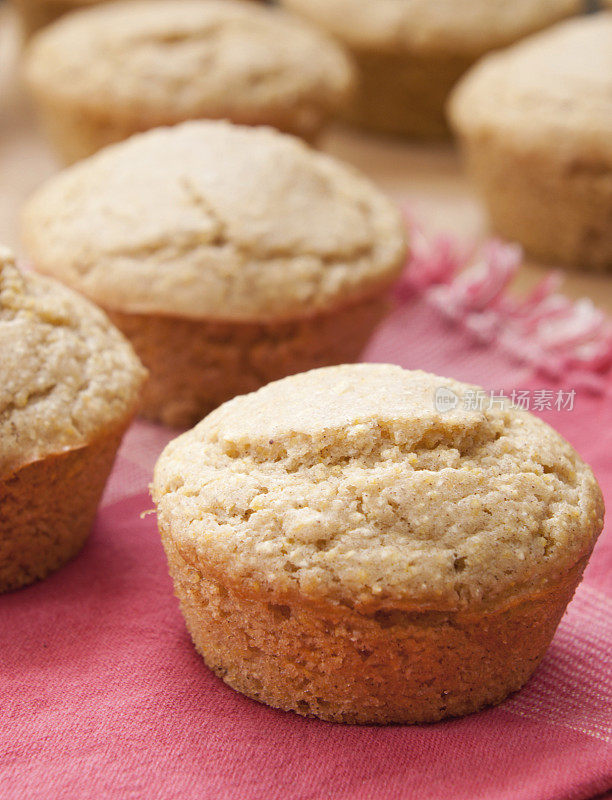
69 385
35 14
102 74
409 54
230 256
536 125
342 549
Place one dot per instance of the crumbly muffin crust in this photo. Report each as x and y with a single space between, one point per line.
170 60
66 374
463 27
231 223
345 485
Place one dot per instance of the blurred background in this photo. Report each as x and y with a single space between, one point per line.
425 177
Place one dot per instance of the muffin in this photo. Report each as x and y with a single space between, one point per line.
342 549
69 385
409 54
230 256
535 122
35 14
104 73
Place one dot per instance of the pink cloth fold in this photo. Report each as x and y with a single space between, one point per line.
103 696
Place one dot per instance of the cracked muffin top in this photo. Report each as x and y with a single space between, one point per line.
458 27
347 484
66 374
213 220
556 86
171 59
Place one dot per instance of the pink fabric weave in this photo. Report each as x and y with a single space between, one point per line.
103 696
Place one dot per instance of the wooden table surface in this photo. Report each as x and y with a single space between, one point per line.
427 178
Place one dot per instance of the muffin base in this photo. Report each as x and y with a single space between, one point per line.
391 666
195 365
76 133
47 509
558 208
404 95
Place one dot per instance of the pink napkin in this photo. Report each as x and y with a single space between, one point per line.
103 696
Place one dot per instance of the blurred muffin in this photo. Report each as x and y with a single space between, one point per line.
536 124
409 54
230 256
104 73
69 385
342 549
35 14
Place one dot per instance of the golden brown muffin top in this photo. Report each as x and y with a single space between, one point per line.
348 484
212 220
443 27
168 60
66 374
554 90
